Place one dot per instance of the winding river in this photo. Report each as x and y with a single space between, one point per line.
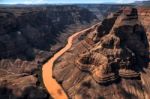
52 86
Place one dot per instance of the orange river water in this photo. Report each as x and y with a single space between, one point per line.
52 86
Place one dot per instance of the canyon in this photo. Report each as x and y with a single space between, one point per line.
29 36
113 54
112 61
56 91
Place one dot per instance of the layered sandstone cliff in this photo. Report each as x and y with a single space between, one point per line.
112 61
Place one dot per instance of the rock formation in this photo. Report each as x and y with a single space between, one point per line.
26 36
113 66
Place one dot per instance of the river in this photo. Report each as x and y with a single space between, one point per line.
52 86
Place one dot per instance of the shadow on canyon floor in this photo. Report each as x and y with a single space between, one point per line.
28 93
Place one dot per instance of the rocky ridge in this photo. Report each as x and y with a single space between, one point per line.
115 55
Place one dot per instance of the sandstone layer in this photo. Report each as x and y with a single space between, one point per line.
110 61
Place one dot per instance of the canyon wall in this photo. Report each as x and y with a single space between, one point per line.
113 60
29 35
102 10
26 38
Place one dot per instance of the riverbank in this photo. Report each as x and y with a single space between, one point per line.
51 85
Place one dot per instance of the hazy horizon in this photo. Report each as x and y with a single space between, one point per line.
68 1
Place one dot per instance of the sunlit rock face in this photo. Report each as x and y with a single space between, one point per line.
144 17
117 53
113 65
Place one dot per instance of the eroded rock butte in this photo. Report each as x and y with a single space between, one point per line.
115 55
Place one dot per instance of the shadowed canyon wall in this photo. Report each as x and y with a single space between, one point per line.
26 38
